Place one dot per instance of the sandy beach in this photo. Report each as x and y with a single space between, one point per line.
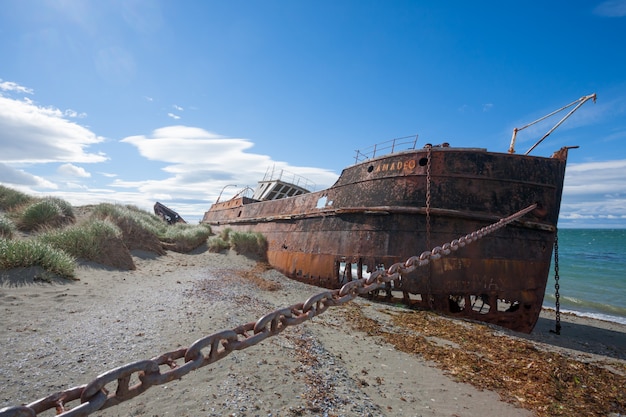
63 334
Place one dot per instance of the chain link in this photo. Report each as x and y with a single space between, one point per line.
557 286
95 396
429 147
428 181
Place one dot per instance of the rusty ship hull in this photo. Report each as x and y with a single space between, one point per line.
387 209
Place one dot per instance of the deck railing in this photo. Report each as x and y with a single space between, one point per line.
394 145
273 174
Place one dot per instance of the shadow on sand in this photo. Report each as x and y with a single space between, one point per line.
601 338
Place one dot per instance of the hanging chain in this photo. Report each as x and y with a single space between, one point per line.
557 328
428 181
428 202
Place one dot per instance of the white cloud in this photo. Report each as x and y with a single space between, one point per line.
108 174
70 170
75 186
173 116
596 178
611 8
595 191
11 86
17 177
201 163
177 107
80 196
576 216
73 114
35 134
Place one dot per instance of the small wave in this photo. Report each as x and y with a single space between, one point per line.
580 304
591 315
598 316
590 309
574 300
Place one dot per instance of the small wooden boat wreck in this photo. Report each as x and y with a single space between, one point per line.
386 208
167 214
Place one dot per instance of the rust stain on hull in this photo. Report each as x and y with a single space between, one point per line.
376 215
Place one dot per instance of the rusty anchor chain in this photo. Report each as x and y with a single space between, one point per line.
429 147
557 286
95 396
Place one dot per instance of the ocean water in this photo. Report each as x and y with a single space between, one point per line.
592 273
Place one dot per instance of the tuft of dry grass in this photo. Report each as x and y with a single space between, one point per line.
10 198
249 244
548 383
46 213
216 244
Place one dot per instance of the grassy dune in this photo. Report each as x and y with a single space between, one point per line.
50 233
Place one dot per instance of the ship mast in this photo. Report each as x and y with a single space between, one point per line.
580 102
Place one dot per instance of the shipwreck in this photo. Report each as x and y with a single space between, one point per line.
400 199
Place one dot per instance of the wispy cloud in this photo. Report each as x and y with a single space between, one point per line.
173 116
107 174
34 134
20 178
595 191
198 158
12 86
596 177
611 8
177 107
73 171
74 114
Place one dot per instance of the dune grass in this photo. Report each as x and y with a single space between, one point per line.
106 233
83 241
249 244
31 214
28 253
143 230
46 213
141 218
217 244
225 234
185 237
220 242
10 198
7 227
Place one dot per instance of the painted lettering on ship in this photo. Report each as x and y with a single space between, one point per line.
396 166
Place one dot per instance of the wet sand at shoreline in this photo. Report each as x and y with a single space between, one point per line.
63 334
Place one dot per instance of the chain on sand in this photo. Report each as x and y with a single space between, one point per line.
94 396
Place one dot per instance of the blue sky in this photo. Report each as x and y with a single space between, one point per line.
140 101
